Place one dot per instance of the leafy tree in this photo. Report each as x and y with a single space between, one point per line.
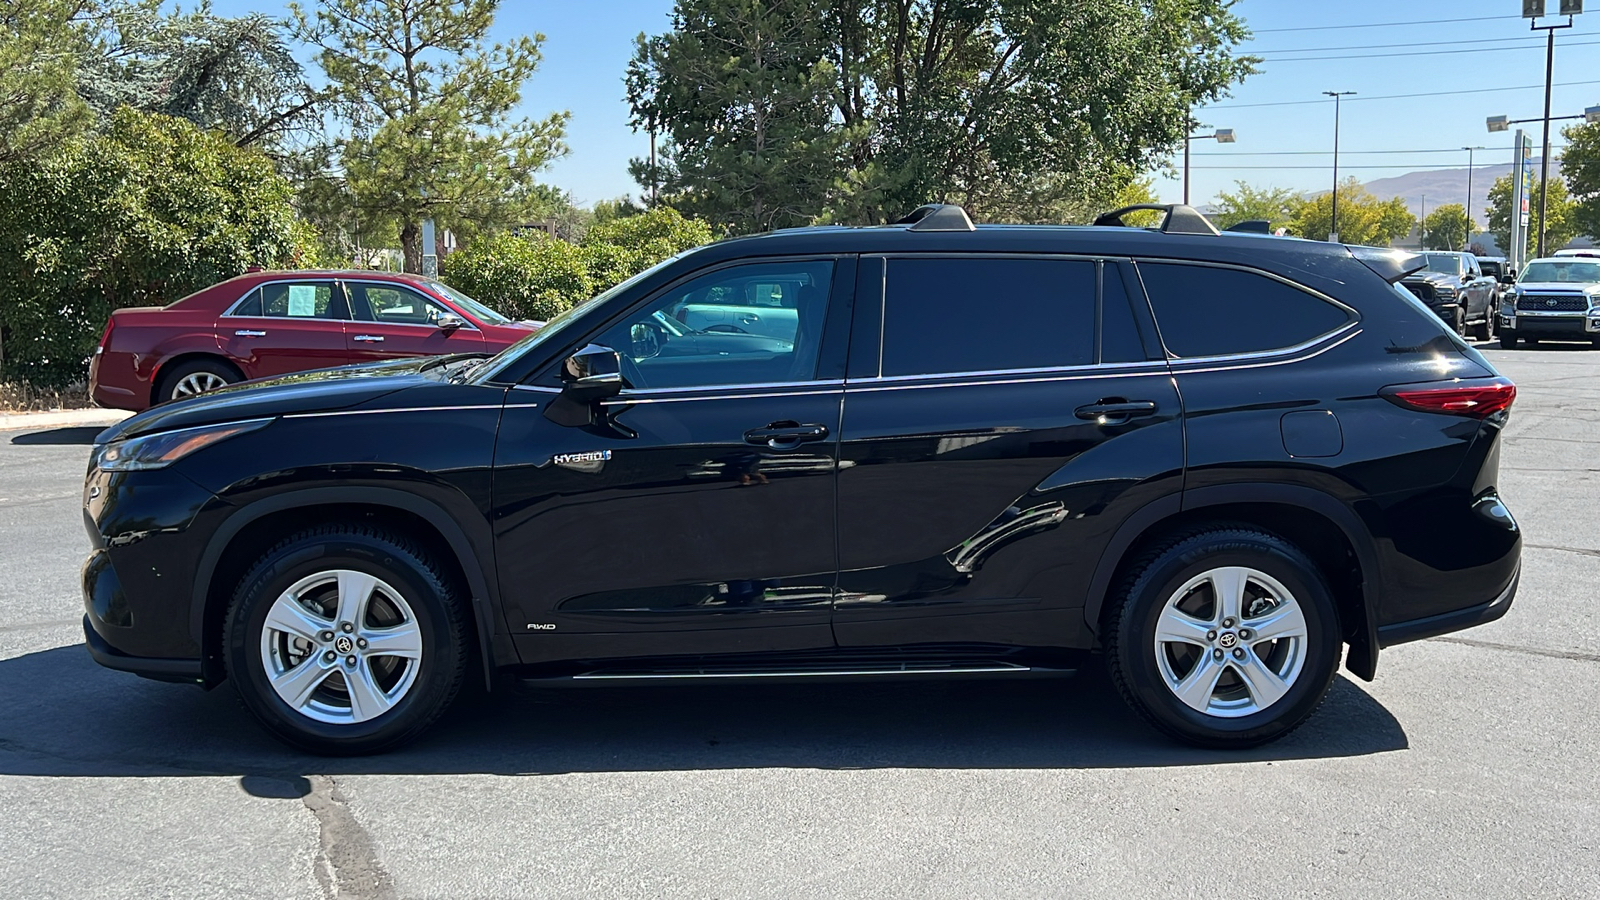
40 42
1561 210
149 210
793 111
235 75
622 248
1363 218
615 208
1276 205
1447 228
1580 169
431 102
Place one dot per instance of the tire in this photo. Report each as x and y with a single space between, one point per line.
409 607
195 377
1508 340
1252 699
1484 330
1532 341
1460 323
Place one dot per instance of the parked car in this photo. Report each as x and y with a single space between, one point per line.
274 323
1458 291
1499 268
992 452
1557 298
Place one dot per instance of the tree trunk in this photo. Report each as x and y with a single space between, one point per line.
411 247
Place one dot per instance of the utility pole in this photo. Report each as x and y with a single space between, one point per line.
1333 231
1468 239
1422 226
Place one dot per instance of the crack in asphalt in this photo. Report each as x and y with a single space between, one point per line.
347 866
1527 651
1579 550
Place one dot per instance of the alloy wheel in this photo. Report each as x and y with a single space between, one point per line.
1231 641
197 383
341 647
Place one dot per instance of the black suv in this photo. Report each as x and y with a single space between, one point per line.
1213 459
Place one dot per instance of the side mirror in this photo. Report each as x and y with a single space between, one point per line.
449 322
1508 278
588 376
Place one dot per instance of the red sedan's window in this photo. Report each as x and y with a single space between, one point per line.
293 301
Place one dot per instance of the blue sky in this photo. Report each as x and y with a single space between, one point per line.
588 45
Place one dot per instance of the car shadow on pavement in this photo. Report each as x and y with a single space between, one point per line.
62 715
84 435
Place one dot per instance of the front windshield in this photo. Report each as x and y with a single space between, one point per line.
490 369
1552 271
483 313
1448 263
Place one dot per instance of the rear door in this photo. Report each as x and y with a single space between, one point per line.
1003 415
286 326
393 321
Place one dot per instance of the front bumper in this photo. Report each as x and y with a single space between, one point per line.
1571 326
180 671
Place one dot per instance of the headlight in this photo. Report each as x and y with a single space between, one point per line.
1445 290
155 451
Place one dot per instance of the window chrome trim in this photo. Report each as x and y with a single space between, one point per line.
469 322
1354 314
1155 365
728 392
331 282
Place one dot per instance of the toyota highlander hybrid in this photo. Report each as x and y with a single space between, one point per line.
1220 462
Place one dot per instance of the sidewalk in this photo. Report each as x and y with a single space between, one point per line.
67 418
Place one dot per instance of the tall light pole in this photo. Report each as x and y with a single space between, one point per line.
1533 11
1222 136
1333 232
1468 239
1503 123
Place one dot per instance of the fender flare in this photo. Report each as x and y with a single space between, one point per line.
484 601
1363 656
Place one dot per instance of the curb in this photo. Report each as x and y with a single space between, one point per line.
67 418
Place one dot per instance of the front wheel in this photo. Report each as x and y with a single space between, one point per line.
345 640
1226 638
1508 340
1484 330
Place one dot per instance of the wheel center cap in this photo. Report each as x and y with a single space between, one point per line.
1227 640
343 644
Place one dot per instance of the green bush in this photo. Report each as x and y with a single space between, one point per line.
142 214
524 277
539 277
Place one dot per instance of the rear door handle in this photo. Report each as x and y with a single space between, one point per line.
1115 411
785 435
245 332
370 338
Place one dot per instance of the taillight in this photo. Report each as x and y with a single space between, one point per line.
1475 398
105 336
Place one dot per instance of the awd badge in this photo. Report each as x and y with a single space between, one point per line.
592 461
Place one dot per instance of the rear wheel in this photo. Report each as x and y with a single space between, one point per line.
345 640
1484 330
196 377
1224 638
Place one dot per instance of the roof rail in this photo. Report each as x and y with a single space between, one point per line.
1180 219
938 217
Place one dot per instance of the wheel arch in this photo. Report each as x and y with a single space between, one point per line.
240 539
1323 527
166 365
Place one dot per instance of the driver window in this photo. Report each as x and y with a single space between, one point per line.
749 324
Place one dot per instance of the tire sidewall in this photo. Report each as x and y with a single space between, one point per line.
1148 596
169 381
282 567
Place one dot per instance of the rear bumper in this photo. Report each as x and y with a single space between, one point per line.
1457 620
181 671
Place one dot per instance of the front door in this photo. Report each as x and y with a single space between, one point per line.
286 326
392 321
1018 412
697 517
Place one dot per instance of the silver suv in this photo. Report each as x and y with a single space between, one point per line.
1556 298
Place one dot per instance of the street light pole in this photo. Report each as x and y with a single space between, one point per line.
1221 136
1549 72
1333 232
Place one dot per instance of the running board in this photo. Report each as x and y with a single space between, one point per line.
809 673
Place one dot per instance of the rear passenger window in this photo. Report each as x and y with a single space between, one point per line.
292 301
975 315
1210 311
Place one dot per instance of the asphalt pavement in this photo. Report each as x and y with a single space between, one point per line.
1470 768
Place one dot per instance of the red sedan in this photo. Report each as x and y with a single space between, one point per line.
273 323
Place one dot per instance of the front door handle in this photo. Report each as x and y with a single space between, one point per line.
1115 410
370 338
785 435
